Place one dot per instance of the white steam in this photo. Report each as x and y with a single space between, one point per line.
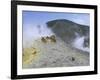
31 33
79 43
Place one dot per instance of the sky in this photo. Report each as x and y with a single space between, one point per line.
42 17
31 19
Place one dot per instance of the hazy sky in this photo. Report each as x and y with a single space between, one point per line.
31 19
42 17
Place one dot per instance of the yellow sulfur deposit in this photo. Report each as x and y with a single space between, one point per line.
29 54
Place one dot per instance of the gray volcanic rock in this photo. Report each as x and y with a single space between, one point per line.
56 54
68 30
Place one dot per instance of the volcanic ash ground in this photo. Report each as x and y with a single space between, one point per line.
52 52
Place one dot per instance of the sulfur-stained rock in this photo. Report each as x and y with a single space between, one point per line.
29 54
43 40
